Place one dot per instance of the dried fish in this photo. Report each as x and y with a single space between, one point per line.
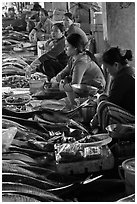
15 162
14 168
18 178
11 197
18 156
33 191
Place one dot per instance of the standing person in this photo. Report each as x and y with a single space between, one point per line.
119 105
81 69
42 30
55 59
71 27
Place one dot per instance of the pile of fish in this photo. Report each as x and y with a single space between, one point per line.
14 35
13 66
29 171
25 167
11 39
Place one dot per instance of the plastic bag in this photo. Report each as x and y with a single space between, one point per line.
7 137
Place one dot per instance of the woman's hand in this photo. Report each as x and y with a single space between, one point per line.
28 72
61 85
65 86
32 36
54 82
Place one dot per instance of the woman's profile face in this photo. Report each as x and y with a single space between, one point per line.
70 50
112 69
67 22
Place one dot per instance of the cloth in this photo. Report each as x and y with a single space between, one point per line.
56 52
109 113
83 70
122 89
50 68
53 61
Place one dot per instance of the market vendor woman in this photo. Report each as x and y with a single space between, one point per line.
81 69
55 58
119 105
42 30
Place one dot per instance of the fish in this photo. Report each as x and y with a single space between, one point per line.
28 123
14 168
33 191
24 132
18 178
18 156
6 123
18 65
15 162
29 151
38 169
11 197
19 60
12 71
19 143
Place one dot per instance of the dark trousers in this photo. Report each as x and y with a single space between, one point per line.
50 68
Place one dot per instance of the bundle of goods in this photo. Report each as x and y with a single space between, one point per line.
76 159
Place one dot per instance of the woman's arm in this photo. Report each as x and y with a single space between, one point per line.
54 52
34 65
78 72
77 75
63 73
32 35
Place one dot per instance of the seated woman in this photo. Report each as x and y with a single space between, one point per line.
119 105
71 27
80 69
55 59
42 30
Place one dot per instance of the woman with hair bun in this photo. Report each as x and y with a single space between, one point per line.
119 105
81 69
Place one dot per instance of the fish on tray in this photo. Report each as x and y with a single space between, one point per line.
31 190
14 168
13 197
18 156
19 178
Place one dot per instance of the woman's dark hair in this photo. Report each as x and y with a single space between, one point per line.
60 26
76 41
44 11
115 54
69 15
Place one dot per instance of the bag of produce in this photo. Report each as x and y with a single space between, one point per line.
7 137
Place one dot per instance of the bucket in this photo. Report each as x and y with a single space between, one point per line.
36 85
128 166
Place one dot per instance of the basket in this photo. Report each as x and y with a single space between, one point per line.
36 85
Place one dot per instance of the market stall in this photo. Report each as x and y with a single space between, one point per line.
48 151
